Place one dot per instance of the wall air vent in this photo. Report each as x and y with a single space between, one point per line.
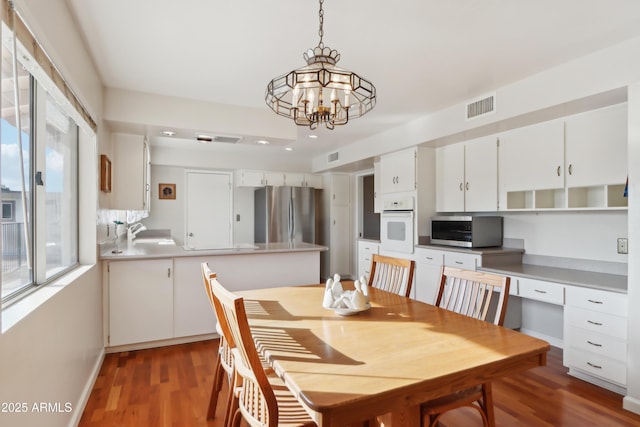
332 157
481 107
227 139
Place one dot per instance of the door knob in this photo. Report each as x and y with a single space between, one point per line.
190 234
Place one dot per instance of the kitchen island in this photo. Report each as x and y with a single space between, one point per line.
154 294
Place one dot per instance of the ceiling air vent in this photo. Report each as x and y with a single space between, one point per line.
333 157
227 139
481 107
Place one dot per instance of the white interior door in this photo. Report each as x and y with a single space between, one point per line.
209 210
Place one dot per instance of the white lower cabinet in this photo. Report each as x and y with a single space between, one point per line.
140 301
595 325
366 250
427 276
192 311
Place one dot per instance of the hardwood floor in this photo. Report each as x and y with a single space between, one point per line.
170 387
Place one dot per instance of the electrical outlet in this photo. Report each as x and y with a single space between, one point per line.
623 246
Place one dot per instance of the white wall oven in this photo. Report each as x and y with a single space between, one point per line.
396 226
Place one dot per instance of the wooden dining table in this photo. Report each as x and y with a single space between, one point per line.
385 360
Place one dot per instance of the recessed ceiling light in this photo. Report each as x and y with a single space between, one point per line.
313 136
168 133
201 137
288 148
263 141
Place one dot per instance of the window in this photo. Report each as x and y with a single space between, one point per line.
39 181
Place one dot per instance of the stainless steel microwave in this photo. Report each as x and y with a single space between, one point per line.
467 231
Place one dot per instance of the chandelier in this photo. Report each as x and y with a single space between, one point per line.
320 92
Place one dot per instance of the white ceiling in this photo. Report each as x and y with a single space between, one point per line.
422 55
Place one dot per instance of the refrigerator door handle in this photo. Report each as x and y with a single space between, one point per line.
291 220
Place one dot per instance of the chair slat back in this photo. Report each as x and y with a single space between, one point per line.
471 293
392 274
257 402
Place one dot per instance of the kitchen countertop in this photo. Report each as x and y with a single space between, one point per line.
586 279
154 250
474 251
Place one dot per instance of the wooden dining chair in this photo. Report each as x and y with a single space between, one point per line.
224 361
392 274
475 294
262 400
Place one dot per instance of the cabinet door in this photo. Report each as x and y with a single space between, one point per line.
532 157
140 301
596 147
398 171
129 173
313 181
340 241
294 179
340 194
450 178
192 311
274 178
246 178
481 175
427 278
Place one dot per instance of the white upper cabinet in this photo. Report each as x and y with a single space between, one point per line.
398 171
578 162
597 147
532 157
252 178
131 172
450 178
247 178
467 176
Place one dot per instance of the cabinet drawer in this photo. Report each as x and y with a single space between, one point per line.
593 299
429 256
595 321
599 366
459 260
550 292
367 248
599 344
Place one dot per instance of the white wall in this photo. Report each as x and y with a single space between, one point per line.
586 235
632 400
52 354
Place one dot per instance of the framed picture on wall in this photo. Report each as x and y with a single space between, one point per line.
166 191
105 174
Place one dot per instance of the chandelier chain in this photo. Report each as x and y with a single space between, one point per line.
321 30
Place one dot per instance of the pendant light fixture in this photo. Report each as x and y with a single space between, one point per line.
320 92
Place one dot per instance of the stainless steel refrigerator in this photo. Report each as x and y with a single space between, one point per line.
285 214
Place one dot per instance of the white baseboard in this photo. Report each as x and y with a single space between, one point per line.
554 341
631 404
86 392
160 343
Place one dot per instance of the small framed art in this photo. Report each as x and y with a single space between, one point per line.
167 191
105 174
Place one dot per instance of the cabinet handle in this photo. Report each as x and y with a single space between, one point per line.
459 262
594 301
168 272
570 169
558 171
460 186
594 323
594 344
594 366
540 291
430 258
467 186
